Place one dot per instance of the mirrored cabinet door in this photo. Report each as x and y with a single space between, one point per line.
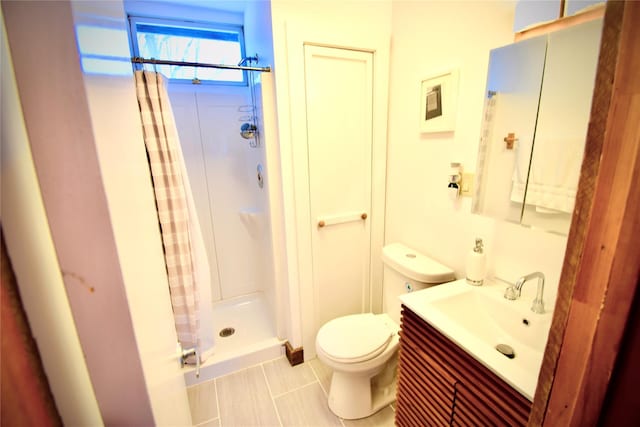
511 106
563 118
534 127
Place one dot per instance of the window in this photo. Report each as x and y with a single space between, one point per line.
190 42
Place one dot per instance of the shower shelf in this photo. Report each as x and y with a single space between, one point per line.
253 219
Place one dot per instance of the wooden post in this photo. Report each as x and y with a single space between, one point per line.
602 265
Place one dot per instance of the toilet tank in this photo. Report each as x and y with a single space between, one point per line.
407 270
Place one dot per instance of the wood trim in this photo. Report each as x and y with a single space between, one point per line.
608 274
602 264
621 404
26 397
295 356
584 201
561 23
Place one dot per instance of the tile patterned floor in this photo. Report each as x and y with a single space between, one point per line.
273 394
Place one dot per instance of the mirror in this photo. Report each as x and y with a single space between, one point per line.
511 106
534 127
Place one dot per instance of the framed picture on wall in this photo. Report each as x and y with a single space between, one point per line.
438 99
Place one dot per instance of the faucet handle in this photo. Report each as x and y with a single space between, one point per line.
510 293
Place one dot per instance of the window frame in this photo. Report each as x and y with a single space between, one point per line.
135 20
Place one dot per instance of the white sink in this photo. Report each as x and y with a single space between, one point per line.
479 318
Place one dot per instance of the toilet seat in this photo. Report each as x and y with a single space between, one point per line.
354 338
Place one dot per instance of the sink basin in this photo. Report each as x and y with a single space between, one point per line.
495 320
479 319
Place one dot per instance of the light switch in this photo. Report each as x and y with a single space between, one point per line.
467 184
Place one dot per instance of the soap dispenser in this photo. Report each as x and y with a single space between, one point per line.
476 264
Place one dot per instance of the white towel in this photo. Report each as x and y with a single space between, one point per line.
553 176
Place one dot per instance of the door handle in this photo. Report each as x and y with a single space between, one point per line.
185 353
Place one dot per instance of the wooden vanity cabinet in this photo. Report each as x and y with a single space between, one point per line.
440 384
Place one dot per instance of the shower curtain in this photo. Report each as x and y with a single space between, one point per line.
486 136
184 250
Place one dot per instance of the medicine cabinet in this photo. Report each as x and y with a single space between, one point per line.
537 107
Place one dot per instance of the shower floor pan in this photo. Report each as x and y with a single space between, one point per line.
252 341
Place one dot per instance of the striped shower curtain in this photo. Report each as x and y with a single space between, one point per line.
486 135
185 256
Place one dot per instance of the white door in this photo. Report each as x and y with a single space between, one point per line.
339 103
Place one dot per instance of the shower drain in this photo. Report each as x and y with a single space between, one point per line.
227 332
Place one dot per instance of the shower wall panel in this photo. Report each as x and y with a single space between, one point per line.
222 169
184 108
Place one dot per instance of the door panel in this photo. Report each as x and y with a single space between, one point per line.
90 165
338 88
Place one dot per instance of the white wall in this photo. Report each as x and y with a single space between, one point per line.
429 36
184 10
222 167
35 263
88 151
58 124
259 40
126 178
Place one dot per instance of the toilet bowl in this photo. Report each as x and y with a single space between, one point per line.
360 386
362 349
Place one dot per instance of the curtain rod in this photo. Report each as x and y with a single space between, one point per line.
139 60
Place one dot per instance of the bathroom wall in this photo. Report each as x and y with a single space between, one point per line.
99 202
427 37
34 260
125 173
187 9
222 172
258 39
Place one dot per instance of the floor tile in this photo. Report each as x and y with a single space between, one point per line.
306 406
323 372
245 400
212 423
382 418
282 377
202 401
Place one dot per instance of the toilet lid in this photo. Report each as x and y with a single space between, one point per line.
354 338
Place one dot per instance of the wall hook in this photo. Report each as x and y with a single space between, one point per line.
510 139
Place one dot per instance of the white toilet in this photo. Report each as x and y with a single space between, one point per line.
362 349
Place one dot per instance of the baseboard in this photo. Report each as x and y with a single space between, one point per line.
295 356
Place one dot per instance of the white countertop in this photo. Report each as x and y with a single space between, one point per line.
477 318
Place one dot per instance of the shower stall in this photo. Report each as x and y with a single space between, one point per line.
222 134
224 151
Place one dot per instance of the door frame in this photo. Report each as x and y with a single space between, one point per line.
92 175
599 280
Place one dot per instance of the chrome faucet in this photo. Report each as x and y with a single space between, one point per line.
514 291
